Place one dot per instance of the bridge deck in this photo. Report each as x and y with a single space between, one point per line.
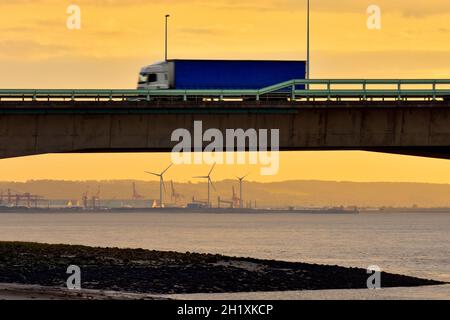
408 121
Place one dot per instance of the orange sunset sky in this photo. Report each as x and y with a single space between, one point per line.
118 37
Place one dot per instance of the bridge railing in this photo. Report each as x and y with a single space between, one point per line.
327 89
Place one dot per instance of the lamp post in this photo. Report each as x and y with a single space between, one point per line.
166 36
308 69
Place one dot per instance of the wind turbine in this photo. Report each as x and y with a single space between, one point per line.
162 186
210 184
241 180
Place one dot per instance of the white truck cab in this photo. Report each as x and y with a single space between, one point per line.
155 76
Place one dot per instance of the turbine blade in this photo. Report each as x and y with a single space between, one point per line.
211 169
167 169
243 177
152 173
212 185
164 184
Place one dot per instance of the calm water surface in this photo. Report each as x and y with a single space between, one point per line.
413 244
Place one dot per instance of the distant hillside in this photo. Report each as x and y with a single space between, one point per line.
279 194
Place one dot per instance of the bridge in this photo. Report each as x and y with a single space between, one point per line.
393 116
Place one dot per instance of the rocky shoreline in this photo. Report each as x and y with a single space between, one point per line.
157 272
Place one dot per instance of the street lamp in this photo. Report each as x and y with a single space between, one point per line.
166 32
308 70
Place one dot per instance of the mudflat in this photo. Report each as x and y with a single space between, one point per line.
157 272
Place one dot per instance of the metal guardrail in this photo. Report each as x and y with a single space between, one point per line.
294 90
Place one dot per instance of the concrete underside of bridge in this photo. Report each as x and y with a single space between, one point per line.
412 128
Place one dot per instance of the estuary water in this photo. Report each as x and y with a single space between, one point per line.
415 244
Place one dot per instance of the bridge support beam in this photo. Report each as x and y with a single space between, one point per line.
404 127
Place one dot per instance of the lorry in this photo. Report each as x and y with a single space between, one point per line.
219 74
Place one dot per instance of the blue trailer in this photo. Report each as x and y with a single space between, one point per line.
219 74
